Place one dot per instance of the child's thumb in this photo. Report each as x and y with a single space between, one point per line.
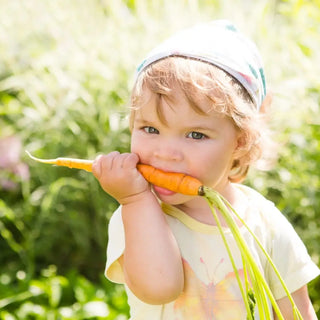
96 167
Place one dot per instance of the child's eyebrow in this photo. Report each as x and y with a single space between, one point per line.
201 128
193 127
141 122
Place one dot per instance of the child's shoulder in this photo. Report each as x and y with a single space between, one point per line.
253 195
261 209
263 216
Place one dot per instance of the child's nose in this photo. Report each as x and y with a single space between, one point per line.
168 151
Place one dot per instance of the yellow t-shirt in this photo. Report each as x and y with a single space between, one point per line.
211 290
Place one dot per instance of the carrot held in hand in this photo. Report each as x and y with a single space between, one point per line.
174 181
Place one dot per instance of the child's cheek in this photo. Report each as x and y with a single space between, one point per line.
140 147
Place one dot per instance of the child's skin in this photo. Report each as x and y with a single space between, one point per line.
202 146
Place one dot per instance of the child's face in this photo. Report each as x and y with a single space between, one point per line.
202 146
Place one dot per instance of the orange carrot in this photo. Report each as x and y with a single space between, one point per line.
174 181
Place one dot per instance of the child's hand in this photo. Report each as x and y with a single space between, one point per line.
118 176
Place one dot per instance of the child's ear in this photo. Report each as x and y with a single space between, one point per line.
241 147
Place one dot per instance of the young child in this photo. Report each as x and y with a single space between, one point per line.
195 110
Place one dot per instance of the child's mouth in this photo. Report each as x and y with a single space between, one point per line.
163 191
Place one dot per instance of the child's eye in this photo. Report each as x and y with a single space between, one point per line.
196 135
148 129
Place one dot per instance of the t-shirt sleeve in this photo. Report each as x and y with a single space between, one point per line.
290 256
115 248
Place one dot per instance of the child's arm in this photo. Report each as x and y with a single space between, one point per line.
151 261
302 300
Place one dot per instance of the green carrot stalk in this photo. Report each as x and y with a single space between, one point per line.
250 314
262 290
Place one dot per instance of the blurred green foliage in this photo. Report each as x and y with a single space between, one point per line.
66 69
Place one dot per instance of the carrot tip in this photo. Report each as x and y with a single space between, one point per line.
50 161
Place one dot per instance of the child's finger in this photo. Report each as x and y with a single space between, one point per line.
130 160
110 161
102 163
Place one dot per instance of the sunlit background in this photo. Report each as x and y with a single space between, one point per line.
66 69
